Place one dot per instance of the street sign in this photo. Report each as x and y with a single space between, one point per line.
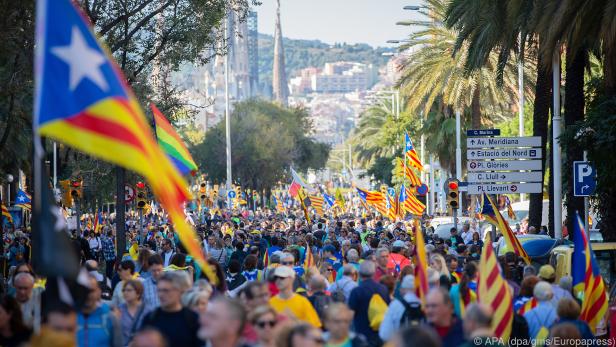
422 189
487 177
502 165
584 178
391 191
483 132
507 188
129 193
231 194
509 153
500 142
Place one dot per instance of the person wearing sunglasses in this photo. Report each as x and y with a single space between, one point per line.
264 319
289 303
300 335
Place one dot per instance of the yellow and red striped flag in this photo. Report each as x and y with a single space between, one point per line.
408 173
308 258
6 214
412 204
410 152
529 305
392 210
490 212
317 203
493 291
587 280
421 267
82 99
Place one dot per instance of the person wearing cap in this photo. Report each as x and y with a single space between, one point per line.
541 318
395 311
548 274
289 303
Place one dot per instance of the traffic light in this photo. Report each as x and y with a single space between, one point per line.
76 188
453 194
238 192
202 191
384 189
142 195
67 200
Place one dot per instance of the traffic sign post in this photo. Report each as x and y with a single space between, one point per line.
129 193
584 179
503 165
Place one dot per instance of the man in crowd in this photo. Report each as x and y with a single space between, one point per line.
360 298
29 299
223 323
410 309
150 295
548 274
96 323
541 318
478 325
167 252
289 303
382 259
176 323
439 314
341 289
338 319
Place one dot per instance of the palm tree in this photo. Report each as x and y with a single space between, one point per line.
505 28
437 69
376 135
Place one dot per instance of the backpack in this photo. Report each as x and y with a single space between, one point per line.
320 303
376 311
413 315
338 294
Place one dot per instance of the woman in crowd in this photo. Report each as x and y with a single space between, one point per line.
13 332
132 311
264 319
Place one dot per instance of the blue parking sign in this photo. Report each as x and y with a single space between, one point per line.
584 178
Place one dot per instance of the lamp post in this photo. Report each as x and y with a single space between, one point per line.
227 115
557 158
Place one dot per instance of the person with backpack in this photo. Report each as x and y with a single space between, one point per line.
369 301
541 318
341 289
402 312
319 299
96 323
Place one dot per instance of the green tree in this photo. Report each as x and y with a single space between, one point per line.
266 140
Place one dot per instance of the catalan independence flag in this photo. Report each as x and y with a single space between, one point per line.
406 171
494 291
23 200
6 214
421 267
81 99
587 281
491 213
412 204
410 152
172 144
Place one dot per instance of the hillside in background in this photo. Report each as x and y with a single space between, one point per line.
301 54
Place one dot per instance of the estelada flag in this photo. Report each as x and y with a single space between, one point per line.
81 99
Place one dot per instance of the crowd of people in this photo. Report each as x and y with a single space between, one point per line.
281 281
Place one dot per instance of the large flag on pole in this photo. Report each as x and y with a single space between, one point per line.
587 281
421 267
412 204
410 152
490 212
6 214
81 99
172 144
494 291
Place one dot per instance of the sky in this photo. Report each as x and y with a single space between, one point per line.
335 21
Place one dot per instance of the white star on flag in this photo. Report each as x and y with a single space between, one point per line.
21 198
83 61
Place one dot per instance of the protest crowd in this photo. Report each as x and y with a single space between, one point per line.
347 280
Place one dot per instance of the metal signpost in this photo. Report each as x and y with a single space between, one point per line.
503 165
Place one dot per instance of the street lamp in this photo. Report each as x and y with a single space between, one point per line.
9 178
413 8
399 41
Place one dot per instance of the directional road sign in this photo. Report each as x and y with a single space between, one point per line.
483 132
584 178
500 142
487 177
231 194
502 165
506 188
509 153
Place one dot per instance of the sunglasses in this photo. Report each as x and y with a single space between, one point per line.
287 263
267 323
278 278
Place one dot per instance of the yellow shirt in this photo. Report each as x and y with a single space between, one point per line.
297 306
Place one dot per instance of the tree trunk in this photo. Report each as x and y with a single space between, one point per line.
574 112
476 109
543 94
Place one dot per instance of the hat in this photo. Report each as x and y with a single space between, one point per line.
408 282
547 272
284 271
399 244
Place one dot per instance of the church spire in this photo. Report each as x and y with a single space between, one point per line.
279 79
